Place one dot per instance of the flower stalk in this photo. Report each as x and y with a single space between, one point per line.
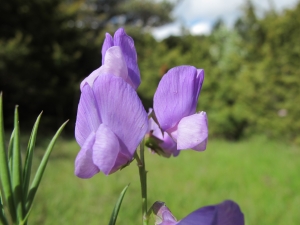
143 180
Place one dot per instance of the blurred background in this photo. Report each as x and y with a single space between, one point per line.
250 51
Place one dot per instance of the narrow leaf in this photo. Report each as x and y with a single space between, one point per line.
4 168
3 220
40 171
114 215
29 156
10 149
17 169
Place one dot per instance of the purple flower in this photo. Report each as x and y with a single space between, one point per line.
111 122
126 44
225 213
159 141
175 102
118 58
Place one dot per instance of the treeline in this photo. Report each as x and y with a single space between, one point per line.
252 80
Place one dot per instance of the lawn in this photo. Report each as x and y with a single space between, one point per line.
259 174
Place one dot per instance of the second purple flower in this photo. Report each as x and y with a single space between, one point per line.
175 103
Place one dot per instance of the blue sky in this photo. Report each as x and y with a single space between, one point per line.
199 15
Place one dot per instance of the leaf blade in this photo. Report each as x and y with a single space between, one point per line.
29 156
5 178
115 212
17 169
38 176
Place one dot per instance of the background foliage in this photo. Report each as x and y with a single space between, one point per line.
252 79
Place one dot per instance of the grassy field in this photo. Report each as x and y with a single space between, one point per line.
262 176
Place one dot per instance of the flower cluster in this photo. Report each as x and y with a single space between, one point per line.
111 123
111 120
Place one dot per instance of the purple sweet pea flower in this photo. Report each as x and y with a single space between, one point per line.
175 102
126 44
225 213
118 58
111 122
114 63
159 141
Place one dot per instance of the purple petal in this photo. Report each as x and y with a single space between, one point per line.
156 131
127 45
84 166
90 78
192 132
200 75
108 42
115 64
163 214
106 150
122 111
177 95
88 118
225 213
168 145
229 213
202 216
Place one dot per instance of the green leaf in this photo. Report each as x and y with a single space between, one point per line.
10 149
114 215
38 176
17 169
29 156
4 168
3 220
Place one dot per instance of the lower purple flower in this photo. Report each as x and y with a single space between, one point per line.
225 213
111 122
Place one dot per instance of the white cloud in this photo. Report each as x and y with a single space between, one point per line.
200 28
210 10
190 10
199 15
164 31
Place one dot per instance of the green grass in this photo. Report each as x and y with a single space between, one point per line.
262 176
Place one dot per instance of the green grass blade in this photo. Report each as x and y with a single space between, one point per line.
7 193
17 169
38 176
29 156
3 220
114 215
10 149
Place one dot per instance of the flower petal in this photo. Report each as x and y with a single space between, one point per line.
90 78
225 213
84 166
122 111
108 42
115 64
192 132
177 95
200 76
127 45
229 213
202 216
106 150
163 215
88 118
167 143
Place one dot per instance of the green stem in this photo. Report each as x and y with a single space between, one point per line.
143 179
